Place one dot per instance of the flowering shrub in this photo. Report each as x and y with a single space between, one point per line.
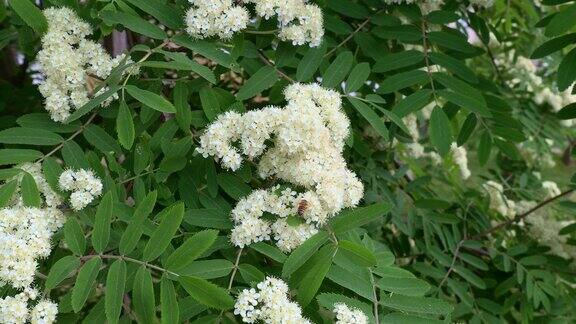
267 161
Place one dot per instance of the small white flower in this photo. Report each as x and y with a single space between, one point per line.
44 312
346 315
84 184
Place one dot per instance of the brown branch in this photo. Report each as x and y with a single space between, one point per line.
268 62
520 216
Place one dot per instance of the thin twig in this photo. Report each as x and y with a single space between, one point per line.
520 216
349 36
235 269
451 268
125 258
268 62
375 296
427 60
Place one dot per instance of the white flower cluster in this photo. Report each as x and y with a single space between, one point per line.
536 155
482 3
308 139
85 186
461 160
208 18
44 312
298 21
24 237
544 228
51 198
498 200
269 304
70 62
346 315
14 310
551 189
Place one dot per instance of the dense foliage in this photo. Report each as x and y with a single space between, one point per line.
283 161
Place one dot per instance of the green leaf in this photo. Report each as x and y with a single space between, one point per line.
207 293
412 103
30 14
206 49
233 186
61 270
182 62
372 118
553 45
467 129
102 221
191 249
7 192
465 102
318 267
469 276
132 22
337 70
263 79
29 190
357 77
562 22
168 302
302 253
327 300
404 286
151 99
207 269
310 62
420 305
164 233
143 296
125 126
568 112
399 318
567 70
431 203
183 112
29 136
210 103
402 80
251 274
393 117
74 236
354 278
270 251
353 218
52 170
85 281
484 148
43 121
16 156
164 12
357 253
451 41
440 131
453 65
210 217
74 156
394 61
93 103
135 229
101 140
115 284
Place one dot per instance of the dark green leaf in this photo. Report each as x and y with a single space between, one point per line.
263 79
85 281
114 297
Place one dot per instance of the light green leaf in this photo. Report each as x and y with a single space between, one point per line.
356 217
191 249
143 296
125 126
132 22
29 191
357 253
207 269
404 286
74 236
29 136
164 233
302 253
440 131
411 304
263 79
372 118
61 270
30 14
102 221
135 229
316 269
115 284
337 70
151 99
168 302
7 192
85 282
207 293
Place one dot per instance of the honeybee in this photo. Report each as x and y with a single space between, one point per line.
302 206
92 83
